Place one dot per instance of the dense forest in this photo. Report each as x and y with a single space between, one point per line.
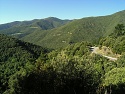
14 56
26 68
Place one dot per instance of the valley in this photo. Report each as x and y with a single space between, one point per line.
54 56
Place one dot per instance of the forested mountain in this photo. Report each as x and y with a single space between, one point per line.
47 23
88 29
29 69
70 67
15 55
55 33
20 29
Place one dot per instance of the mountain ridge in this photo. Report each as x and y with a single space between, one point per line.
22 23
60 34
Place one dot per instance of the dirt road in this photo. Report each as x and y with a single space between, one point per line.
95 51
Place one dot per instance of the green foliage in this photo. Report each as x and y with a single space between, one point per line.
121 61
13 49
14 55
119 30
108 42
118 74
116 41
29 69
15 79
66 71
78 49
60 77
114 81
72 69
24 28
55 33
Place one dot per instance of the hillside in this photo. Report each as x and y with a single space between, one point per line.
71 70
15 55
11 48
22 28
26 68
88 29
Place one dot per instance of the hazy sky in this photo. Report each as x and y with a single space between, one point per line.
19 10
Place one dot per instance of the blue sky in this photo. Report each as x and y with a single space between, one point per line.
19 10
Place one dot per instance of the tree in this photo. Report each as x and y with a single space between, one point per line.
119 30
114 81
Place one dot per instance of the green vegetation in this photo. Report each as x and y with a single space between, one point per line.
114 81
55 33
29 69
47 23
21 29
26 68
15 55
116 40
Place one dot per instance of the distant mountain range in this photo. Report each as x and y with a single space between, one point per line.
54 33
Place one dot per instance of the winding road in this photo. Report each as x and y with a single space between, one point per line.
94 50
